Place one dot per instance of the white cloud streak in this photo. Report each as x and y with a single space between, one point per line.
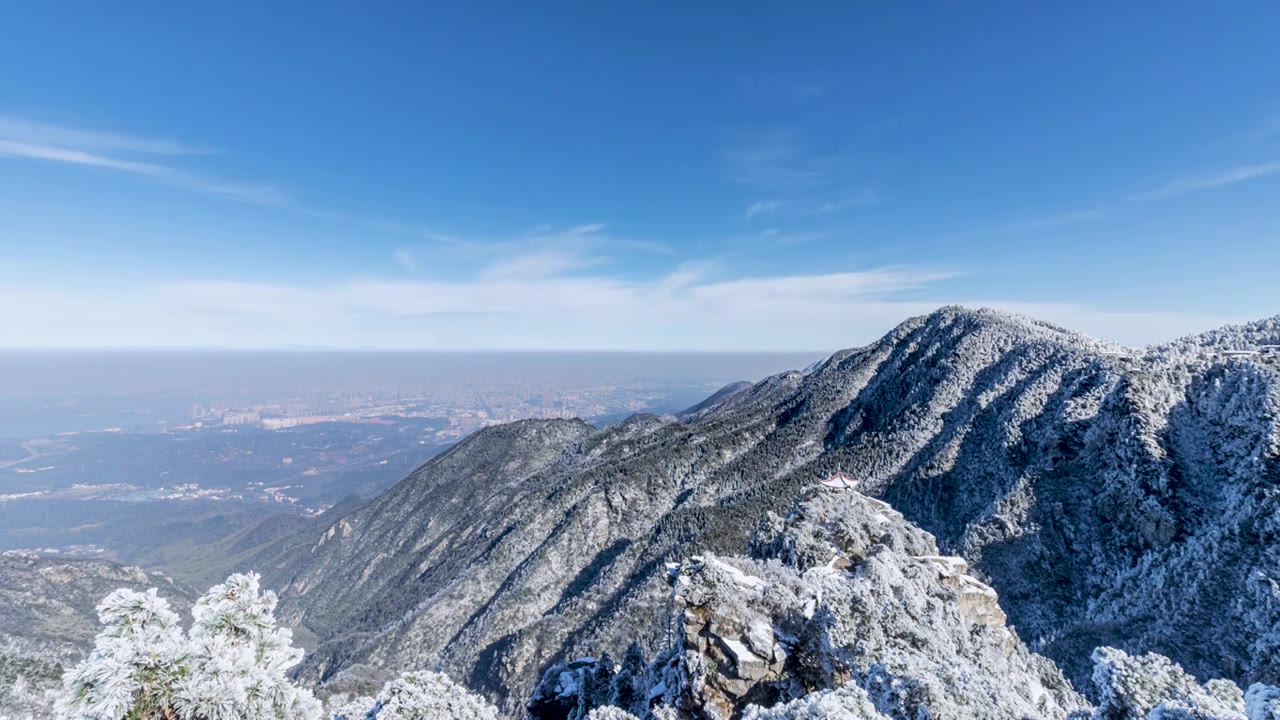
778 164
861 197
531 302
1073 217
763 207
538 301
1224 178
12 149
783 237
804 184
32 132
19 146
1170 190
23 139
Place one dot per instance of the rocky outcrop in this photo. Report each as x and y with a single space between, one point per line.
842 596
846 593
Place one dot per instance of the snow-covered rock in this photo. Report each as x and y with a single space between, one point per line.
891 632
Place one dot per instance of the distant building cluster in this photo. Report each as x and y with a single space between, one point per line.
241 418
288 422
465 408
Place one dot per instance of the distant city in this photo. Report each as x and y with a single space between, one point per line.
93 444
465 408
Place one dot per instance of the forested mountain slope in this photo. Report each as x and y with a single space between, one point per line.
1114 497
47 621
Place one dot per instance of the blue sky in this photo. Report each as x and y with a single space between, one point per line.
642 176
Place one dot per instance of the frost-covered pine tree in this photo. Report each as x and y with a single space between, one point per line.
630 691
1262 702
355 709
847 703
427 696
596 688
231 666
1151 687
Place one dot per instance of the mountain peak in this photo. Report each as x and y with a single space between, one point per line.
961 318
1081 490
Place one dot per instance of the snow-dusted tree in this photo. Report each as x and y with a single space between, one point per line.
231 666
429 696
357 708
1262 702
630 691
609 712
596 687
847 703
665 712
1151 687
137 660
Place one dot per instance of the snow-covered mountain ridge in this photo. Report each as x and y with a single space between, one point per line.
1124 499
1111 497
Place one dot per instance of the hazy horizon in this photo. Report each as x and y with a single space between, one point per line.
1157 329
97 373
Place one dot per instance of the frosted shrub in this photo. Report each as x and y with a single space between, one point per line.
355 709
1262 702
609 712
847 703
231 666
1151 687
429 696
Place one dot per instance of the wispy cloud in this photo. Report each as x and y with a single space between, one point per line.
1231 176
537 301
1170 190
587 229
546 252
28 140
1071 217
405 259
542 263
845 200
137 156
762 207
156 160
13 149
777 162
786 237
541 251
383 226
527 305
24 130
803 180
